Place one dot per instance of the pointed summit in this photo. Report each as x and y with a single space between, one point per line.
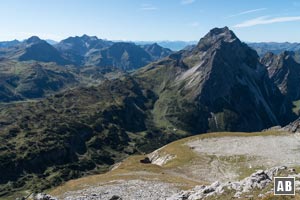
84 36
216 36
156 51
221 34
33 39
88 38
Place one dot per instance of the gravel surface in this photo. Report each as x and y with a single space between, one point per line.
272 150
127 190
259 152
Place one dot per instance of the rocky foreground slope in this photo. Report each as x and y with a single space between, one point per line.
209 166
258 186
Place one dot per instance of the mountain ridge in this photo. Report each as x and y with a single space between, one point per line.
83 51
33 49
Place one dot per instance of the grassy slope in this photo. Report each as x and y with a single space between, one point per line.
296 108
131 168
32 79
73 133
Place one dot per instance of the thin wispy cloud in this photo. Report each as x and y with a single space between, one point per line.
266 20
186 2
247 12
194 24
148 7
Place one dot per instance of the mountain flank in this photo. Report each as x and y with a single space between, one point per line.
284 71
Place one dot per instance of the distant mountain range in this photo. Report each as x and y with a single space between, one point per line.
82 51
261 47
173 45
33 49
8 43
274 47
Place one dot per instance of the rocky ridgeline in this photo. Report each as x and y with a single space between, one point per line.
258 180
293 127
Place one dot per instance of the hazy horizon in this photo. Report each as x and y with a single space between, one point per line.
142 41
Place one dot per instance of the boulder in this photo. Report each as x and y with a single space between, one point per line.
115 197
42 196
146 160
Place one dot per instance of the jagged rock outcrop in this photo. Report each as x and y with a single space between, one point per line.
258 180
42 196
284 71
293 127
160 158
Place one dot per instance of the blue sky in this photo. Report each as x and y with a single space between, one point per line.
251 20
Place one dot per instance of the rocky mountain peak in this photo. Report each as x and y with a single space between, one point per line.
85 36
287 55
268 55
155 45
216 36
33 40
89 38
225 31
